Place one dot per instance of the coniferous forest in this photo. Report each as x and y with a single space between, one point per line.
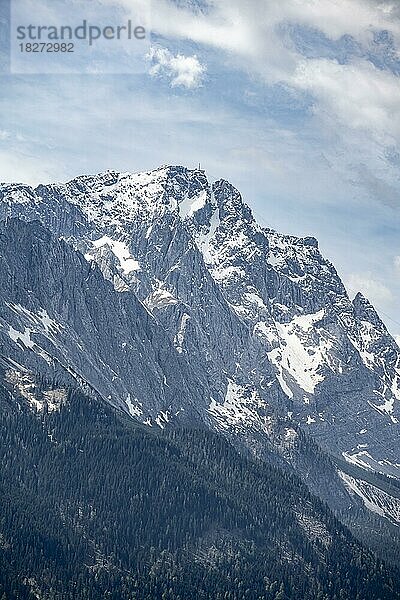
96 506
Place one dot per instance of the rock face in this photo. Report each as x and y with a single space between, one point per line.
204 316
62 319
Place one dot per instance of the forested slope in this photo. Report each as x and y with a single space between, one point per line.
94 505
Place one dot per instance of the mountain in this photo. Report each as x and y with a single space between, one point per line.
159 294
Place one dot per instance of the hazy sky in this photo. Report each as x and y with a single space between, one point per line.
297 102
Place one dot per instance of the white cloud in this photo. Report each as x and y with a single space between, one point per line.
397 263
250 31
4 135
359 94
185 71
340 17
355 96
376 292
242 28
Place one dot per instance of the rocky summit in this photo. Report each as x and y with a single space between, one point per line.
161 295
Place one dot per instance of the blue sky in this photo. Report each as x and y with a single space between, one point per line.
297 102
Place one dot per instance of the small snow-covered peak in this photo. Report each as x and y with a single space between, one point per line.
16 193
81 185
308 241
361 301
300 260
285 243
364 310
230 202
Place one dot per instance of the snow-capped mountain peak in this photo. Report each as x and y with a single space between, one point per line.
248 308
